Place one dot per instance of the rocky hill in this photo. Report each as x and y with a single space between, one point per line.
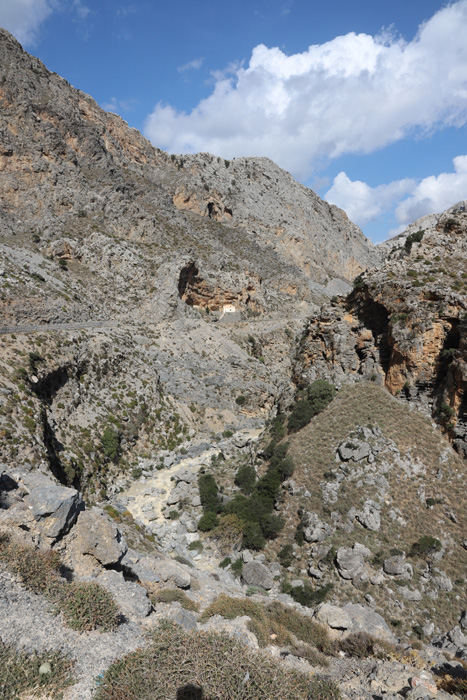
221 408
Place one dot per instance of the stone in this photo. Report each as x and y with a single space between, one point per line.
131 598
364 619
442 581
95 534
256 574
333 616
397 566
54 507
349 562
369 517
354 449
316 530
463 619
170 570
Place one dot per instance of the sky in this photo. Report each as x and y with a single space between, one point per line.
365 102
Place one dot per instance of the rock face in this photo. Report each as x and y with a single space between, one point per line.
97 536
404 325
54 507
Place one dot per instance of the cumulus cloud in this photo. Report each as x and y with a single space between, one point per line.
354 94
435 193
363 203
24 17
410 199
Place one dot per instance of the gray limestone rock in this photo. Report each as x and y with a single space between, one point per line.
333 616
54 507
131 598
365 619
95 534
349 562
316 530
256 574
370 517
354 450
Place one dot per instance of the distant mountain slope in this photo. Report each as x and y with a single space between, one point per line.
78 184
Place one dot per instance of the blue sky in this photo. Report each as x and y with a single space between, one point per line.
364 102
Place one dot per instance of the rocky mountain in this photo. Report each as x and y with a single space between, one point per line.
220 407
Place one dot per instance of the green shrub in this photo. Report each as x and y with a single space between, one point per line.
412 238
240 400
308 596
425 546
285 555
37 569
271 525
225 563
319 394
237 567
245 478
253 537
174 595
196 545
110 441
208 521
208 493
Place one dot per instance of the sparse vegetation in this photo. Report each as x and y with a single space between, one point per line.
33 675
174 595
186 665
85 606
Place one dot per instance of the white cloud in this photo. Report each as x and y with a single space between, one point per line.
354 94
82 11
195 64
436 193
363 203
24 17
409 200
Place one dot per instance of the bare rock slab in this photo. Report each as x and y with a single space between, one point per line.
256 574
54 507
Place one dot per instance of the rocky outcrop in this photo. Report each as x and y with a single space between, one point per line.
404 325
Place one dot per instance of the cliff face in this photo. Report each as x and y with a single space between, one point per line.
405 325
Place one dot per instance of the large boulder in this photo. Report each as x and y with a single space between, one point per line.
316 530
365 619
397 566
350 562
333 616
54 507
97 535
256 574
355 450
369 517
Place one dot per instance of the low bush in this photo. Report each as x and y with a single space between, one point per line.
318 395
184 665
85 606
425 546
285 555
208 493
272 618
323 689
208 521
174 595
20 675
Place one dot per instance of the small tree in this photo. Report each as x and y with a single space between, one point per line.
110 444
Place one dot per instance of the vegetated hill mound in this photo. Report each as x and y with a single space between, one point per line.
404 325
137 228
379 495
